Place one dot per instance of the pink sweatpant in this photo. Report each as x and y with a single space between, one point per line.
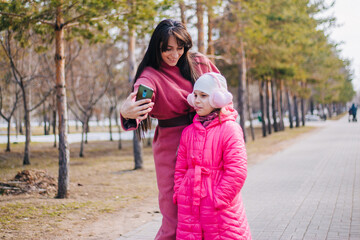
165 145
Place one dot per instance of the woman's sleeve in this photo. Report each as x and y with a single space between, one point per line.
204 64
181 166
235 167
132 124
212 67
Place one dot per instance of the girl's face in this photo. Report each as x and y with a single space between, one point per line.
173 52
202 104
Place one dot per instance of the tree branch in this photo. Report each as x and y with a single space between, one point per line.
67 23
47 22
17 98
103 92
71 59
22 16
1 105
71 22
76 100
12 14
13 108
43 100
72 110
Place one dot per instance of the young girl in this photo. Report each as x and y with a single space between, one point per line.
211 167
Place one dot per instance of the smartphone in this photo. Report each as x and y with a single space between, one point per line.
144 92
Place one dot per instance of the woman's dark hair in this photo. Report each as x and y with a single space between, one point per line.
158 44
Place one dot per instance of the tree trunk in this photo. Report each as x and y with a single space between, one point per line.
87 129
149 141
44 119
262 109
338 109
20 123
137 152
273 106
54 126
8 136
26 160
64 156
279 93
182 11
76 124
267 89
137 145
296 112
330 106
17 120
289 108
210 48
312 106
119 128
249 109
241 89
302 111
49 121
200 25
81 154
110 126
149 137
324 116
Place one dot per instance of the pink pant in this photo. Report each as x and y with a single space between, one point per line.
166 142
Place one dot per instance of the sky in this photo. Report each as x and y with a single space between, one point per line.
347 15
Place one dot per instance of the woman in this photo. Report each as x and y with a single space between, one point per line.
170 69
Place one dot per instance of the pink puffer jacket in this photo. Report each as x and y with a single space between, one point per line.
210 171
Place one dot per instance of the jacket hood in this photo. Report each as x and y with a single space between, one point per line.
228 113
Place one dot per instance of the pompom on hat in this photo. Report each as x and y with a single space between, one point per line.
213 84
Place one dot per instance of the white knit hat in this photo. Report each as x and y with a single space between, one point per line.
209 82
213 84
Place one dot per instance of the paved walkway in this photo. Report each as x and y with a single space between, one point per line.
309 191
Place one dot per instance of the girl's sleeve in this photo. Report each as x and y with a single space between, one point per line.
181 166
235 167
132 124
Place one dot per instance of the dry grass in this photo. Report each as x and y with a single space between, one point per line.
101 183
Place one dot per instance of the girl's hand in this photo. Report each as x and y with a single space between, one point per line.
132 109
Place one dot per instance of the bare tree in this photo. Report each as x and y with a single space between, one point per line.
88 85
25 78
137 144
118 85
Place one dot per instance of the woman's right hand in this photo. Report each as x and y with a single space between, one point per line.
135 109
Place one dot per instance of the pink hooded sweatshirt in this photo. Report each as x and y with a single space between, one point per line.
210 171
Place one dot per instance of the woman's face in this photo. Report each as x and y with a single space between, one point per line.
173 52
202 104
